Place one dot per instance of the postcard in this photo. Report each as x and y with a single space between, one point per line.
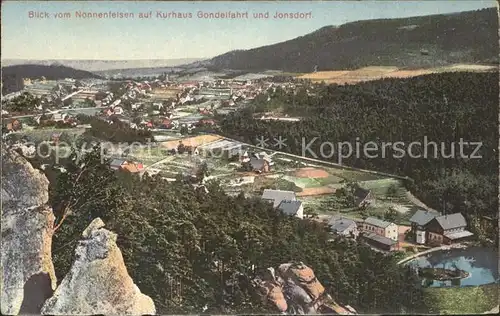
249 157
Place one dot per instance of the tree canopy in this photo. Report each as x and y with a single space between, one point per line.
189 249
446 109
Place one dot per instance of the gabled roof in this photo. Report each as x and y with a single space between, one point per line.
278 195
117 163
361 194
422 217
451 221
340 225
257 164
380 239
133 168
377 222
334 218
289 207
458 235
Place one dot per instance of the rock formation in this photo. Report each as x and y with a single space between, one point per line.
294 289
98 282
28 276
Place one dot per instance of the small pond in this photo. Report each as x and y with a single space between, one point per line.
481 263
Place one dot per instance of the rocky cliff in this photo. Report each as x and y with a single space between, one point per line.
98 282
294 289
28 276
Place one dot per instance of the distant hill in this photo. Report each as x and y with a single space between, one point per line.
12 75
101 65
52 72
416 42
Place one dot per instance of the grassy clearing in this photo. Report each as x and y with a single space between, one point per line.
44 134
351 175
462 300
307 182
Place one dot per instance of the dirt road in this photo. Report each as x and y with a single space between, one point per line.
417 202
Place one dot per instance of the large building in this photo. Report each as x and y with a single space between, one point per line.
380 227
418 222
447 229
380 234
292 208
277 196
433 229
343 226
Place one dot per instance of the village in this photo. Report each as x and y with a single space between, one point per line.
214 164
159 104
375 208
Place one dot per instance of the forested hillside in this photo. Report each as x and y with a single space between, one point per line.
425 41
444 108
51 72
193 251
12 76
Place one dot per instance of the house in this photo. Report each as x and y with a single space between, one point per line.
380 227
246 157
116 164
343 226
132 167
363 197
292 208
380 242
276 196
206 122
446 229
123 164
257 165
166 123
229 152
418 222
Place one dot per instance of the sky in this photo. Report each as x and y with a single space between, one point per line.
156 38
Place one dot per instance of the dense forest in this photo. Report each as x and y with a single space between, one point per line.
191 250
423 41
442 108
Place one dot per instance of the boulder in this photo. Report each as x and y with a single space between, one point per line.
98 281
301 291
28 276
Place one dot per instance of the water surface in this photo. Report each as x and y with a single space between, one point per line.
481 263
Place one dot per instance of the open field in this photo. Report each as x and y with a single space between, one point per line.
328 205
165 93
312 182
191 141
324 75
462 300
311 173
314 185
316 191
379 72
45 134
